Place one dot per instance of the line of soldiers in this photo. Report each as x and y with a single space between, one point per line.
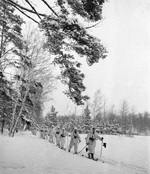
58 136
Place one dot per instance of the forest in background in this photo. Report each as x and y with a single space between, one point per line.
106 120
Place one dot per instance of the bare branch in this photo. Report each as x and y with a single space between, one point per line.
94 24
33 9
50 7
11 49
13 4
23 8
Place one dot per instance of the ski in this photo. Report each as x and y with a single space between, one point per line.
83 155
95 159
65 149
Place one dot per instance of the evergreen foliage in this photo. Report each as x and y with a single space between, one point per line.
51 117
6 102
91 10
69 42
10 37
87 119
67 39
72 122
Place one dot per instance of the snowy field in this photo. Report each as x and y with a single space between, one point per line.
125 151
26 153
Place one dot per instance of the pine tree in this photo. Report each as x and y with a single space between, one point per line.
51 117
10 34
72 121
54 116
10 41
7 95
67 37
87 119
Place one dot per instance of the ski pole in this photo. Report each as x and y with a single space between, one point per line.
82 149
101 149
67 140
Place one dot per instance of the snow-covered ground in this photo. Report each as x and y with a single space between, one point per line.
28 154
125 151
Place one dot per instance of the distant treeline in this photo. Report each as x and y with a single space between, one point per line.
128 124
112 124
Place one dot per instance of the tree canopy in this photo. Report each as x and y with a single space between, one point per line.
68 39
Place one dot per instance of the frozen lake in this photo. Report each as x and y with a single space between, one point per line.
124 151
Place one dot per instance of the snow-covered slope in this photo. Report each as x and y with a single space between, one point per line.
28 154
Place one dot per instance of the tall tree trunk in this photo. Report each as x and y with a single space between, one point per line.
13 118
1 49
2 40
1 46
2 126
20 113
15 108
3 121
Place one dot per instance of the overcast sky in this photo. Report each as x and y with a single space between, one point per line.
125 73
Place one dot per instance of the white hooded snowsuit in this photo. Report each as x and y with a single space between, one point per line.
63 135
91 141
52 135
75 139
57 136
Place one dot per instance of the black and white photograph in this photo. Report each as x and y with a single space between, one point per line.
74 86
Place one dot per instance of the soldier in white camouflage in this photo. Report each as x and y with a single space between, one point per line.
91 138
